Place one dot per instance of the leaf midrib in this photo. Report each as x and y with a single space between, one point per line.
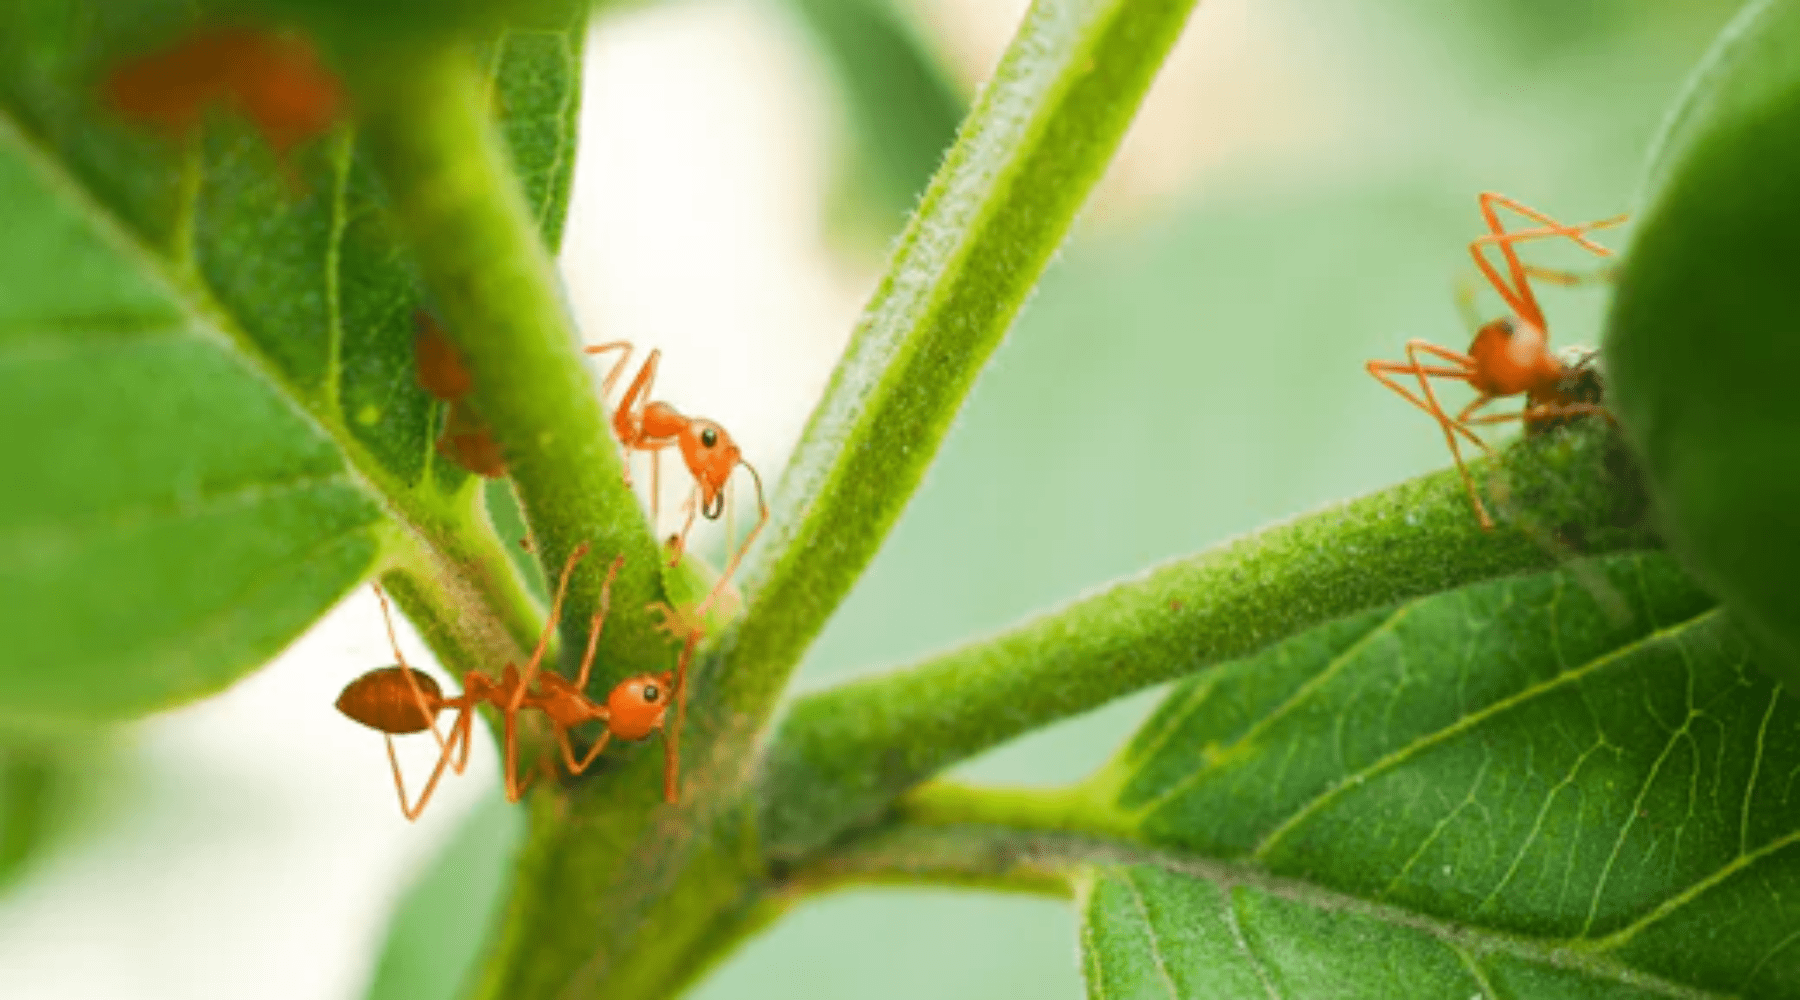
1075 855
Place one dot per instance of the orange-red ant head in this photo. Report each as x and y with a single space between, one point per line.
711 455
382 699
635 708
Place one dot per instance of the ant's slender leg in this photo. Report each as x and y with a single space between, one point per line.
693 508
1570 279
1577 232
593 752
458 731
762 518
672 736
537 655
612 374
406 671
593 644
1380 370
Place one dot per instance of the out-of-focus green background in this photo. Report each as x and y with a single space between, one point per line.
1191 370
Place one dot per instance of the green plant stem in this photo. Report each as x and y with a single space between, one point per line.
425 108
840 756
1036 141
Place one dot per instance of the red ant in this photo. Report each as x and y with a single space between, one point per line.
1509 355
708 451
276 80
635 708
466 440
398 700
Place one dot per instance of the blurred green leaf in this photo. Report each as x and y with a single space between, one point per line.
215 367
903 108
1702 342
435 938
31 779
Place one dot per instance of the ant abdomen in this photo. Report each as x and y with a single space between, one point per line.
383 700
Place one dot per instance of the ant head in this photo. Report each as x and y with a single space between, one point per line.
382 699
710 455
637 705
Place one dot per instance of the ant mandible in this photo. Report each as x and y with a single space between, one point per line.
1510 355
708 451
398 700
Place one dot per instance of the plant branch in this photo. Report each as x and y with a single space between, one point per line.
842 755
1038 138
426 111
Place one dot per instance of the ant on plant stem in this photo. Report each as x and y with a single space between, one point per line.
706 448
398 700
636 707
1510 355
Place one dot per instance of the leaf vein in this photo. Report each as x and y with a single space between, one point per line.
1465 723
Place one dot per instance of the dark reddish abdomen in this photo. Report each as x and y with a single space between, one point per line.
382 699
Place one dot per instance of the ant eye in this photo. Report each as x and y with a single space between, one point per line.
651 694
709 437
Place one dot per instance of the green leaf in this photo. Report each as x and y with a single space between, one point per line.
435 937
903 107
1147 931
1700 343
842 755
1578 778
215 370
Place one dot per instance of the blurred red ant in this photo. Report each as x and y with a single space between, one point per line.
399 700
1509 355
708 451
274 79
466 439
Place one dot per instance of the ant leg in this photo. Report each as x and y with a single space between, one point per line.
1378 368
545 765
672 736
406 671
1519 296
693 508
762 518
1576 232
458 731
593 752
1465 305
537 655
1571 279
612 375
587 658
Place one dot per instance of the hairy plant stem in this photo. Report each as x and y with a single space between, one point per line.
426 113
842 755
